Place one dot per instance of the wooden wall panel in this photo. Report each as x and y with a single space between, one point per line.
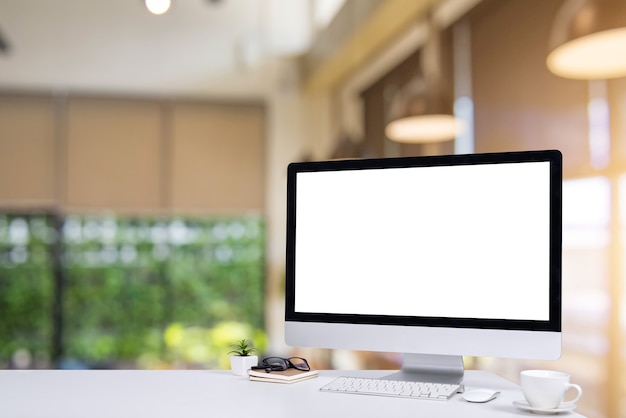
114 155
518 103
28 159
217 157
89 153
617 105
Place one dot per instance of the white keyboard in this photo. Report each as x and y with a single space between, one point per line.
397 388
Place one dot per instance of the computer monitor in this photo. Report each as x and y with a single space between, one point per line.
436 257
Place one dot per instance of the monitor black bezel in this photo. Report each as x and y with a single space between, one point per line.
554 157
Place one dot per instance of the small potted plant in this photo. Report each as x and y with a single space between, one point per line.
242 359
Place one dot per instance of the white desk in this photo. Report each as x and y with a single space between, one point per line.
154 394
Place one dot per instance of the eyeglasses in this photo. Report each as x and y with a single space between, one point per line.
279 364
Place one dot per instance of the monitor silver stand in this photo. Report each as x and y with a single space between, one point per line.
430 368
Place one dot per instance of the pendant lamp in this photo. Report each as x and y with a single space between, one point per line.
158 7
421 116
421 111
588 40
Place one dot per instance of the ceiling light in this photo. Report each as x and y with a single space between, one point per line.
421 111
158 7
424 128
589 39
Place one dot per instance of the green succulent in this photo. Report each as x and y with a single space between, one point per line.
242 348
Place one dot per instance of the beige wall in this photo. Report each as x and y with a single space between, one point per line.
28 151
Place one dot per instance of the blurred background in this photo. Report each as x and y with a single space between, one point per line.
143 160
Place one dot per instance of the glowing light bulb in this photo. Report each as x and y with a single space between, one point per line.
158 7
425 129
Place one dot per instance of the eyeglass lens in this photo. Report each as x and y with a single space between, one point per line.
279 363
299 363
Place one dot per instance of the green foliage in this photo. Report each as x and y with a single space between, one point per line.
25 287
129 283
243 347
193 345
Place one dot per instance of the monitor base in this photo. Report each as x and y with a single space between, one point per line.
430 368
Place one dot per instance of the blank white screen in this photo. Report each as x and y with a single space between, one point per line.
469 241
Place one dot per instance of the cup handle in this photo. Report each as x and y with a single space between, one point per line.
578 395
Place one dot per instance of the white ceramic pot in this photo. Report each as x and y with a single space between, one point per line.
241 364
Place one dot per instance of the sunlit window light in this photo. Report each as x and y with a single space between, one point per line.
463 104
18 232
464 111
324 11
599 125
586 212
622 200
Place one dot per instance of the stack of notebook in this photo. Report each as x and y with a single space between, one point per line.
285 376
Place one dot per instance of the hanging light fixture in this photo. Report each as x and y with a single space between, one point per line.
158 7
588 40
422 116
421 112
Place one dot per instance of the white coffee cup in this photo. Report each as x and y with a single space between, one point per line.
546 389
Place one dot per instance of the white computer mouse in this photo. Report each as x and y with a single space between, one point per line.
480 395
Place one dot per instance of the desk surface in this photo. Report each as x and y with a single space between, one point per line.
154 394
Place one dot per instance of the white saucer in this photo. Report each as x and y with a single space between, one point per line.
545 411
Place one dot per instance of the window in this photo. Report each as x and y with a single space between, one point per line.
132 292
